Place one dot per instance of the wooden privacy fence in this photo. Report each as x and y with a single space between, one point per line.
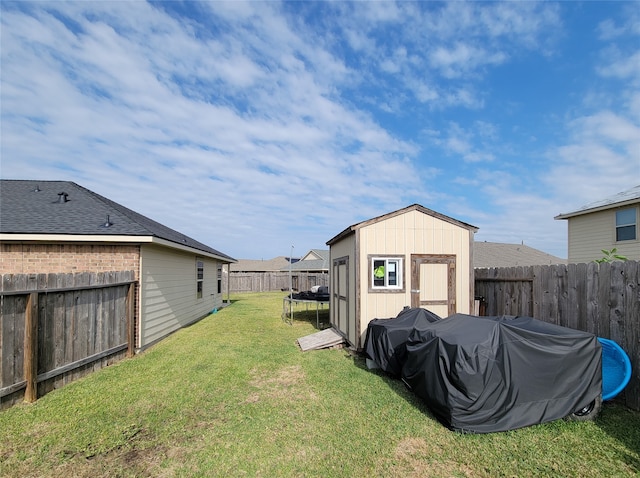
603 299
56 328
271 281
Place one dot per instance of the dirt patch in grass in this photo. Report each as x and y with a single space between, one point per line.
415 458
288 383
120 463
135 458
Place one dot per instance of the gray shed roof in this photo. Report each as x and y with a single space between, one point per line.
495 254
316 265
629 196
29 207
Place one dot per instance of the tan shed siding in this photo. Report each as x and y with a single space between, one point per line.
403 235
346 248
590 233
168 292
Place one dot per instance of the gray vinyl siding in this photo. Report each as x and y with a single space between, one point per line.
590 233
168 299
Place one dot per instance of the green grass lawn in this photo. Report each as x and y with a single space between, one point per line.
233 395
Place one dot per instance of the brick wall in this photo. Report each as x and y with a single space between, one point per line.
56 258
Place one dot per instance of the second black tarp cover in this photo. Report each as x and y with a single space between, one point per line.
385 342
489 374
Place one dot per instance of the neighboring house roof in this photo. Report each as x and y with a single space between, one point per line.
414 207
270 265
314 260
630 196
495 254
31 209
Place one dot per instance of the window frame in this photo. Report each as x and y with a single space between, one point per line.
374 260
199 277
633 224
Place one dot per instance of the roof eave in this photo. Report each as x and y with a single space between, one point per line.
120 239
605 207
348 231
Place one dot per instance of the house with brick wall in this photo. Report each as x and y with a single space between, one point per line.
62 227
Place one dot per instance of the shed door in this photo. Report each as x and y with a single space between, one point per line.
340 295
433 283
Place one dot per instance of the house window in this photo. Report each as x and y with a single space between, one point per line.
626 224
199 278
219 278
386 272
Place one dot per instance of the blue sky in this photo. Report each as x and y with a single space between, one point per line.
256 126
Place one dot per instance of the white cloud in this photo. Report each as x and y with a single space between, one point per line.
250 125
455 61
629 24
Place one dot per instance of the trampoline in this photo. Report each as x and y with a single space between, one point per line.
616 368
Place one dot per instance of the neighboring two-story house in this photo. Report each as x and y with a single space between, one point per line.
609 223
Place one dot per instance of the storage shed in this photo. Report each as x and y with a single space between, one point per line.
411 257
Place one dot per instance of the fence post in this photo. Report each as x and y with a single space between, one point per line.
31 349
131 323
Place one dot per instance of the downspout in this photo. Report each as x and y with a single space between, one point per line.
228 281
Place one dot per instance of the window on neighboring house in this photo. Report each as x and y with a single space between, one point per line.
219 278
199 278
626 225
386 272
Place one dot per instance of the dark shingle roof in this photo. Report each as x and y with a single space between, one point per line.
495 254
34 207
315 265
260 265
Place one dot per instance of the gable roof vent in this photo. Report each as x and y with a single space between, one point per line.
63 197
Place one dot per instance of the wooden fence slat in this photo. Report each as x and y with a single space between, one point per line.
593 304
31 349
632 345
579 301
7 308
526 308
60 335
604 284
131 323
616 303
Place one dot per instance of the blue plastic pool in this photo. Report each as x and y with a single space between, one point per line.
616 368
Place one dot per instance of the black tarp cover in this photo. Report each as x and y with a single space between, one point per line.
490 374
385 341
